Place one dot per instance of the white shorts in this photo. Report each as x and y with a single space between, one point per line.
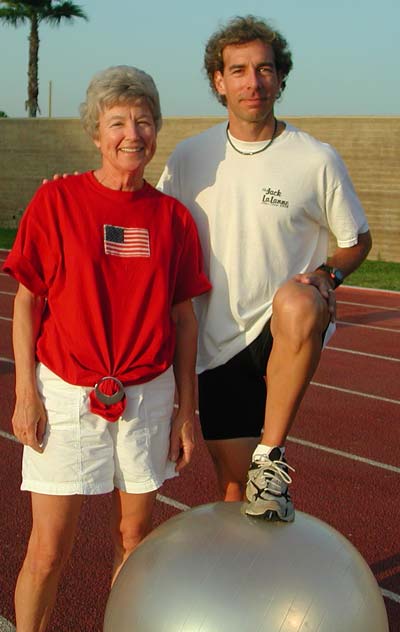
85 454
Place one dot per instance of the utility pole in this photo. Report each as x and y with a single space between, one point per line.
50 97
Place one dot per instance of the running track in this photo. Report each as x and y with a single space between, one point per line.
345 446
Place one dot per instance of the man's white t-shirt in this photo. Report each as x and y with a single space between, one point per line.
261 219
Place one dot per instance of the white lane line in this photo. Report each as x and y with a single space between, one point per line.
5 318
369 289
362 353
348 324
351 392
6 625
7 360
7 293
7 435
172 502
391 309
346 455
390 595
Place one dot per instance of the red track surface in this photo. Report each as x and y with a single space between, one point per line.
345 446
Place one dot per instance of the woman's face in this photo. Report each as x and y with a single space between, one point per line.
127 137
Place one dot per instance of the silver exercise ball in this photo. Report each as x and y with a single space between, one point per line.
214 569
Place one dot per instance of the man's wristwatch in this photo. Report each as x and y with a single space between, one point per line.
336 275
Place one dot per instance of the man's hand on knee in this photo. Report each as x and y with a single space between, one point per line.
323 285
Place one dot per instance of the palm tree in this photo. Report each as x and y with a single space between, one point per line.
34 12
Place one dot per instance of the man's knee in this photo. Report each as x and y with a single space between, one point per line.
299 311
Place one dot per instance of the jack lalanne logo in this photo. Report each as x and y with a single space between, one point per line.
273 197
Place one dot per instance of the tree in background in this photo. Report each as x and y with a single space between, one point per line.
3 114
34 12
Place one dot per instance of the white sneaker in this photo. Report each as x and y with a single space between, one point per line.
267 488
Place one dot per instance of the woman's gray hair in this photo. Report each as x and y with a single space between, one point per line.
118 84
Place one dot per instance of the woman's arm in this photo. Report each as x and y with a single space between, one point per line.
29 418
182 430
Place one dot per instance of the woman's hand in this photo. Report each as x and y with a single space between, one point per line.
29 418
182 428
181 440
29 421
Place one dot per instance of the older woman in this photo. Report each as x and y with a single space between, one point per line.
103 322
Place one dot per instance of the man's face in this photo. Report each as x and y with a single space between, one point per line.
249 81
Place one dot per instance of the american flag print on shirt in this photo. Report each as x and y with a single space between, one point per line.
126 242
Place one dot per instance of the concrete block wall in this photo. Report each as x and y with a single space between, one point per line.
33 149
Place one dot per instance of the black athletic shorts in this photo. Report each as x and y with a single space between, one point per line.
232 396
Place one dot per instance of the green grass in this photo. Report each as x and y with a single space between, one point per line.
376 274
381 275
7 237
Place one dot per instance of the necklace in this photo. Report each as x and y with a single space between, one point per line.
258 151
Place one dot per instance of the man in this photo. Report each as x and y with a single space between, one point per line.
263 195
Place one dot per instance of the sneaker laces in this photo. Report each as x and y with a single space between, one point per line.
274 474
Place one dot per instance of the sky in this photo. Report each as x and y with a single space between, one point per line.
346 54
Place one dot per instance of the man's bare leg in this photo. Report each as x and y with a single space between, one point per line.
54 520
300 317
231 458
299 320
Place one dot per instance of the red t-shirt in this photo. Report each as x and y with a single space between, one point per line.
111 264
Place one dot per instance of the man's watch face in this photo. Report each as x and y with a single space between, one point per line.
337 276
